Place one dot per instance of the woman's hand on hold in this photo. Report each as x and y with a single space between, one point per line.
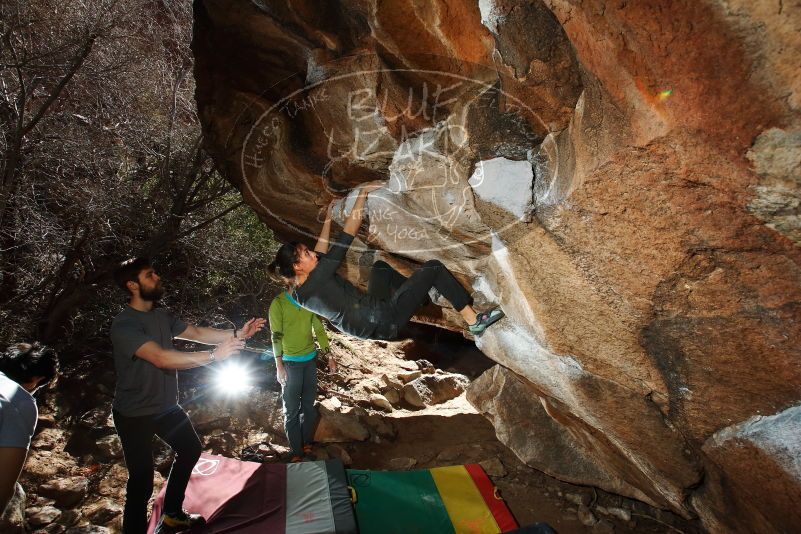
369 187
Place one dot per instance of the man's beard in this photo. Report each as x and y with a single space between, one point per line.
152 295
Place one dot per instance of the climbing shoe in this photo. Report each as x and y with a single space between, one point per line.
484 319
176 522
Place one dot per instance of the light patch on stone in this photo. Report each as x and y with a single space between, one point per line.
776 155
505 183
778 435
516 347
490 14
314 72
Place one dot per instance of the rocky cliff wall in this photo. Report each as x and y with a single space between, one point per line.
623 177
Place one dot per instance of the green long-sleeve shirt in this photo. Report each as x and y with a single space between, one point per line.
292 328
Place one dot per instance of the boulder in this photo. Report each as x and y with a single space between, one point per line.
434 389
336 426
570 162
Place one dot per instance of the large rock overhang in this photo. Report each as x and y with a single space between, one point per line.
623 179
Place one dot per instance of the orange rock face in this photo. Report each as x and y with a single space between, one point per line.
624 178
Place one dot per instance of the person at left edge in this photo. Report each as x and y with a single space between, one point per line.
146 397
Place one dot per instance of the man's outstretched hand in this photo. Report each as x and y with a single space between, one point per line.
251 327
225 349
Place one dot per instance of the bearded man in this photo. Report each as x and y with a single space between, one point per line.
146 397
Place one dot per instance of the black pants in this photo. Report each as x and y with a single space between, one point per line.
405 295
136 435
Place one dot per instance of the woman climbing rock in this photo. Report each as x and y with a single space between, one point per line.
391 299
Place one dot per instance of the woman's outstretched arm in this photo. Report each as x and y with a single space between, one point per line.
322 241
354 218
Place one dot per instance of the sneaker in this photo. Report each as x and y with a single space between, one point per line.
179 521
484 319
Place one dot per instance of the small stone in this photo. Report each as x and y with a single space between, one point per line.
620 513
110 446
425 366
493 467
333 404
579 498
392 383
401 464
603 527
66 492
381 402
392 395
586 516
40 516
408 376
412 396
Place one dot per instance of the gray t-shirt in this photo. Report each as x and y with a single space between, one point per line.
18 414
143 388
329 295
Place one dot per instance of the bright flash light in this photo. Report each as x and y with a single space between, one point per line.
232 378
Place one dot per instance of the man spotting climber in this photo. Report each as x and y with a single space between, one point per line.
146 397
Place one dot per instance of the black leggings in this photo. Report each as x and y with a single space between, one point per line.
406 295
136 435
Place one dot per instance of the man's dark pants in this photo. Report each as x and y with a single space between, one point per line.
136 434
